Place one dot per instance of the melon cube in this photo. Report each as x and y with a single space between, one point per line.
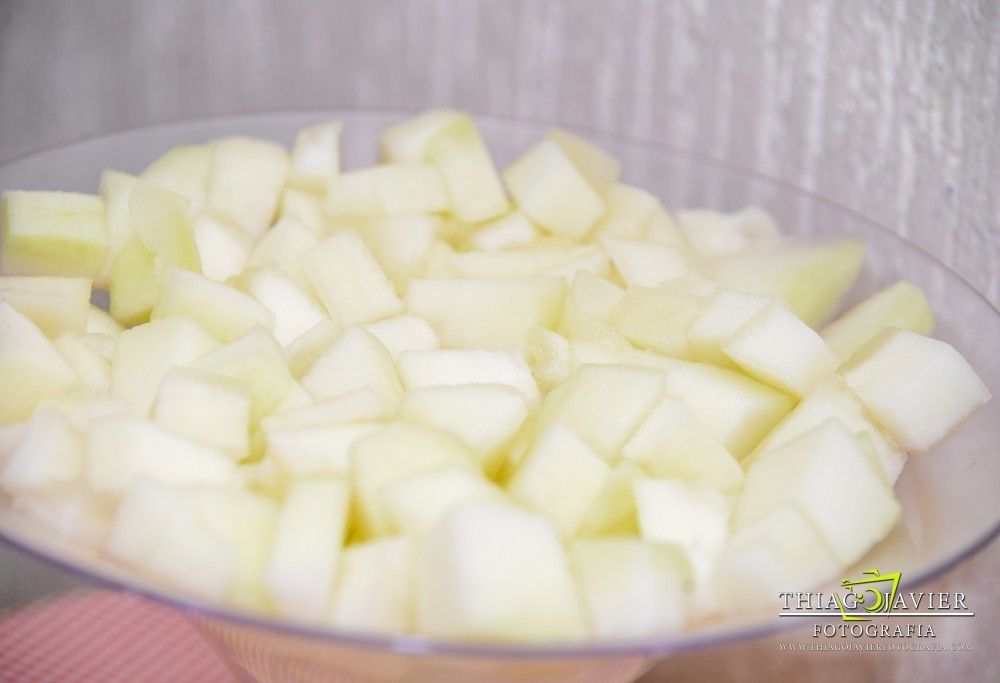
613 511
54 304
311 527
723 313
596 165
208 408
50 453
456 367
184 170
553 192
374 588
414 504
901 305
407 141
657 319
490 571
295 312
246 181
917 388
316 157
356 360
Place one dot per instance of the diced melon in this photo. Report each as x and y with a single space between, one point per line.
184 170
510 231
553 192
407 141
52 233
387 189
223 248
208 408
295 311
691 515
457 150
122 450
307 450
596 165
54 304
738 410
374 588
88 356
50 453
455 367
349 281
548 354
777 348
400 243
632 589
657 319
310 532
414 504
284 245
612 512
674 443
145 353
645 263
115 188
811 275
223 311
560 477
716 234
485 416
831 482
486 313
246 181
316 157
627 211
490 571
404 333
604 404
722 314
393 452
901 305
917 388
356 360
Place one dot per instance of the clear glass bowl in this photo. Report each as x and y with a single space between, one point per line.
949 501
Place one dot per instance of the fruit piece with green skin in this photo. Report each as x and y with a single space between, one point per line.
391 453
155 529
828 478
415 504
485 416
54 304
208 408
811 275
486 313
490 571
246 181
457 150
833 399
374 587
146 353
310 532
349 281
738 410
184 170
560 477
552 192
121 450
49 454
52 233
316 157
917 388
632 589
223 311
901 305
778 349
32 368
657 319
674 443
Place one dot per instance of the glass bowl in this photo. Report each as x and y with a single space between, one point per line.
948 499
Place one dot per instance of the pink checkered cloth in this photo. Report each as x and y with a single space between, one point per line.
98 636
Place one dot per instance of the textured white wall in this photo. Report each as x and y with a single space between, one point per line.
888 106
